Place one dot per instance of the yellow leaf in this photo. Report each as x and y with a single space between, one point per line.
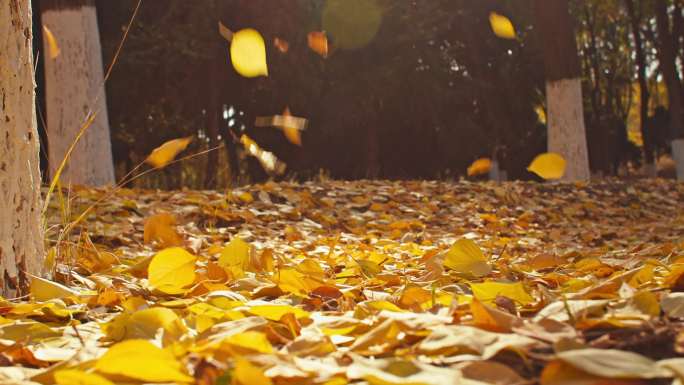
53 47
480 166
548 166
415 297
292 126
141 360
502 26
162 155
318 42
292 281
647 302
79 377
384 305
247 374
248 53
465 257
251 341
488 291
161 228
369 268
145 324
276 312
235 258
172 270
44 290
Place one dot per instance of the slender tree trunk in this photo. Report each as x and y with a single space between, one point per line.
566 129
635 21
667 58
21 244
213 111
74 89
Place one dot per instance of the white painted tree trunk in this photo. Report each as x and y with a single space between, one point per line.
678 156
74 87
21 237
566 130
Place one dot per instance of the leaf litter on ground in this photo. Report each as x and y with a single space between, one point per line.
350 282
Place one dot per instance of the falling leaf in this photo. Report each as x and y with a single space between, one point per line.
502 26
248 53
480 166
466 257
162 155
549 166
53 47
281 44
267 159
235 258
161 228
141 360
247 374
225 32
318 42
172 270
79 377
291 125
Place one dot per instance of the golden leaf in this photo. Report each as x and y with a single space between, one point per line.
141 360
465 257
318 42
79 377
53 47
502 26
548 166
172 270
248 53
247 374
480 166
235 258
162 155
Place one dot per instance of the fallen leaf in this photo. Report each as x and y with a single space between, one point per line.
235 258
161 228
172 270
465 257
141 360
79 377
247 374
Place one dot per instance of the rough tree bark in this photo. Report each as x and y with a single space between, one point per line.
74 83
635 21
21 245
668 64
566 129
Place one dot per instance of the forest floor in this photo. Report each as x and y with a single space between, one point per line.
358 282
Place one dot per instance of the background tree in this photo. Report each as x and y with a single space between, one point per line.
566 128
21 244
74 90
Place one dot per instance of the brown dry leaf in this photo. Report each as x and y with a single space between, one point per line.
161 228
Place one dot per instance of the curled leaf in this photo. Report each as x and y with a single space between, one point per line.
162 155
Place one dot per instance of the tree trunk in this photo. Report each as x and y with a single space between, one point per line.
21 245
213 111
74 89
667 58
635 21
566 130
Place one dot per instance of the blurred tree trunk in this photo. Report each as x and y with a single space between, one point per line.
635 21
668 63
73 85
21 244
373 146
213 122
566 129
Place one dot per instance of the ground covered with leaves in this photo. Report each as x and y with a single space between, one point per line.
357 282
